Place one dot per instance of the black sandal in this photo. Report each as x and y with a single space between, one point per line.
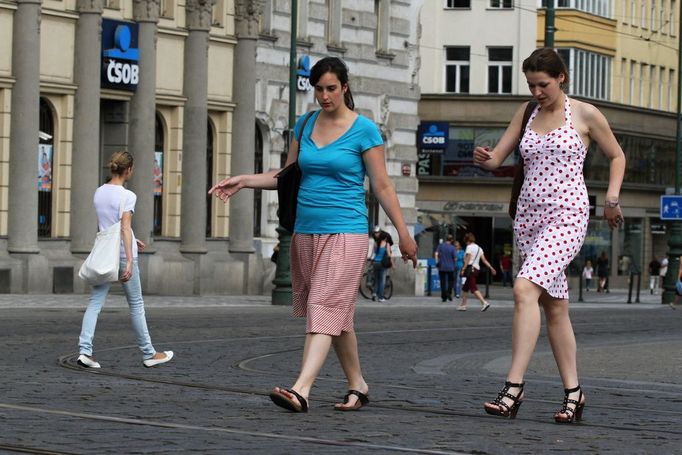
576 412
285 402
499 407
363 399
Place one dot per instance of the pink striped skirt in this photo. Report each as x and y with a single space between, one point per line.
325 274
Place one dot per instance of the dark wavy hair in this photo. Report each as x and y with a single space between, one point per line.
546 60
333 65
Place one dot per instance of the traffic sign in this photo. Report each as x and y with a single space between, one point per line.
671 207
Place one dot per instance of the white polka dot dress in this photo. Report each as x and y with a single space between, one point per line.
553 208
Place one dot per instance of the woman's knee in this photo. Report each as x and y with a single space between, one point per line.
526 292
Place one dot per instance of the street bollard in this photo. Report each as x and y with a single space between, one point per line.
632 276
639 282
428 280
580 289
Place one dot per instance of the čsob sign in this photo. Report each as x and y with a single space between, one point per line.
433 136
303 74
120 55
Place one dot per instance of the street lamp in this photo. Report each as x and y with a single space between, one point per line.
281 294
675 242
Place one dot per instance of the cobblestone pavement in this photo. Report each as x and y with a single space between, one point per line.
429 367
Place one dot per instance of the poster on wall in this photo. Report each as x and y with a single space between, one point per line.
158 173
45 167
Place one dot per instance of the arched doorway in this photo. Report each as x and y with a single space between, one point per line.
45 155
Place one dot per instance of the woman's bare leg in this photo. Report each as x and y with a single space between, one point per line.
346 347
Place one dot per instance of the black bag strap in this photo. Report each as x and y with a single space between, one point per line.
517 183
300 133
530 107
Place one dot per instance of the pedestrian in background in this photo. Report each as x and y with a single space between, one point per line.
381 262
506 269
654 275
587 274
603 272
338 147
459 265
678 286
446 258
473 256
663 271
551 221
109 199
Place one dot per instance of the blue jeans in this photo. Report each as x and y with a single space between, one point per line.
458 282
133 292
379 279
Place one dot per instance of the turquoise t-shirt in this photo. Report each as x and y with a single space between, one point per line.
331 199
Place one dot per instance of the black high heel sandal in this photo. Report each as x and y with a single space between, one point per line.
499 407
574 413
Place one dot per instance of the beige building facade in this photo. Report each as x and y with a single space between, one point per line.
170 104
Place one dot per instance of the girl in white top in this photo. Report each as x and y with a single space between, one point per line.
587 274
473 255
108 201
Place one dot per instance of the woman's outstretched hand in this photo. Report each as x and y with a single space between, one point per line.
227 188
408 250
481 155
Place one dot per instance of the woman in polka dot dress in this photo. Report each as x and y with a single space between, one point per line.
551 221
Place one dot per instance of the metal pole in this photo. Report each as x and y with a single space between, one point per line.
549 24
675 242
282 294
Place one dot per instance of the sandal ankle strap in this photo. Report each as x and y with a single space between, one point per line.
574 389
513 384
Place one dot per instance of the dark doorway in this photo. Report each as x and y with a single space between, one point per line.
45 177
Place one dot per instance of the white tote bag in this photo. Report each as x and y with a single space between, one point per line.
101 265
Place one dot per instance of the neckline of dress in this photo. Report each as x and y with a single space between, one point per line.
567 119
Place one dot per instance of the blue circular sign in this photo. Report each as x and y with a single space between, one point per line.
122 37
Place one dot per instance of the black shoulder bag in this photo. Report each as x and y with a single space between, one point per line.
288 183
518 169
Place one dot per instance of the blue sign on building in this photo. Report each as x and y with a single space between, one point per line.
671 207
120 55
303 74
433 136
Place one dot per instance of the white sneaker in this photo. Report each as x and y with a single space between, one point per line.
87 362
485 307
153 362
382 299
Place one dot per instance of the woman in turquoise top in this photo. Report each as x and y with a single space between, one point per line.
338 147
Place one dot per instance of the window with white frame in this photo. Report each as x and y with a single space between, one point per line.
671 78
642 70
642 13
500 69
661 83
589 73
457 69
458 3
502 4
633 8
623 67
597 7
631 97
671 18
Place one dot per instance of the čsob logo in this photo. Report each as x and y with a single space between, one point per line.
303 74
434 134
120 68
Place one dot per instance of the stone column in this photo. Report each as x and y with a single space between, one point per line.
141 135
247 15
195 124
86 125
24 126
